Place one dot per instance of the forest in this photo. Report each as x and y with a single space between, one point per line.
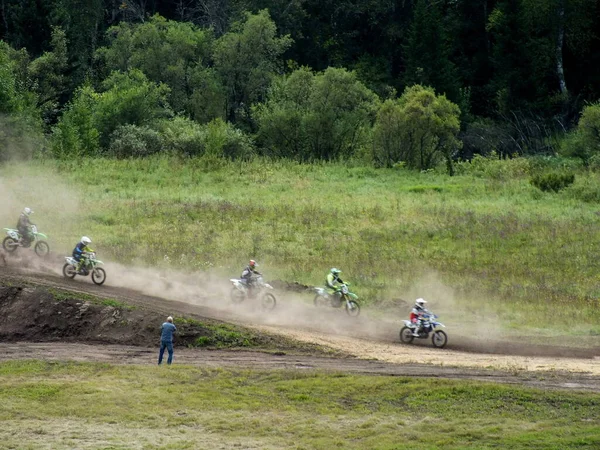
416 83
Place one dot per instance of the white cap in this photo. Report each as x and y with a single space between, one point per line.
170 319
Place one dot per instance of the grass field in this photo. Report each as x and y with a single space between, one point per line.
487 237
101 406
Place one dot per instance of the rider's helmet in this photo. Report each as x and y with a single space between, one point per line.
27 211
252 264
86 240
420 303
335 271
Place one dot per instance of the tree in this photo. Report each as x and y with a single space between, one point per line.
419 129
315 116
48 73
428 52
174 53
128 98
247 59
20 127
91 118
76 133
84 24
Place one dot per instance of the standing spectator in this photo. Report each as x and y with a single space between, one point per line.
166 340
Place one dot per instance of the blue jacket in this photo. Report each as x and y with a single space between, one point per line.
79 249
167 330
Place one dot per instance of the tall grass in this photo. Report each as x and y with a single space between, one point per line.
488 233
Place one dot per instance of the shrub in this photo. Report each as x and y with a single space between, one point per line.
587 192
584 142
215 139
133 140
495 168
224 140
552 181
183 136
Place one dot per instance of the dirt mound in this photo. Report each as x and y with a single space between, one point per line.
39 314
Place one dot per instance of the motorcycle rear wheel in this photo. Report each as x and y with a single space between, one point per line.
237 296
69 271
320 300
268 301
98 276
42 248
406 335
9 244
439 339
352 308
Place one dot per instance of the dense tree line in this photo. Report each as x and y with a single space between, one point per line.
309 79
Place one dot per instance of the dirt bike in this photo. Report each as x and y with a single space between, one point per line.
256 288
342 297
14 240
429 324
88 266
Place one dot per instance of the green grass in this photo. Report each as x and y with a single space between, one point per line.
70 405
486 239
61 295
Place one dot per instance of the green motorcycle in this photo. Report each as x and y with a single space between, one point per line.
14 240
342 298
89 265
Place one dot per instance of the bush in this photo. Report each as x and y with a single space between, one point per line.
183 136
587 192
552 181
215 139
584 142
136 141
495 168
224 140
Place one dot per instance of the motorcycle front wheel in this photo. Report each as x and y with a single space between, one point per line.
237 296
42 248
9 244
69 270
352 308
268 302
439 339
98 276
406 335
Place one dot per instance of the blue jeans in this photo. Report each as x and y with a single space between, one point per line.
169 346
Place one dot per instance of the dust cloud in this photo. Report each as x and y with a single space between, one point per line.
54 203
56 206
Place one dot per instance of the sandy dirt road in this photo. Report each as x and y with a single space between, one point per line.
372 343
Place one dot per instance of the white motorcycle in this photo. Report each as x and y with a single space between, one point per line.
429 324
255 289
14 240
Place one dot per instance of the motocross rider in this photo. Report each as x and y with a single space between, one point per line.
24 227
416 315
332 280
249 271
80 250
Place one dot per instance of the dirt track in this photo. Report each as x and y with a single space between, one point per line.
372 342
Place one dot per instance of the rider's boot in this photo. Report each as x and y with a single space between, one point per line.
416 331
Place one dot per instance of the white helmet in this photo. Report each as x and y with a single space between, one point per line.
86 240
27 211
420 302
